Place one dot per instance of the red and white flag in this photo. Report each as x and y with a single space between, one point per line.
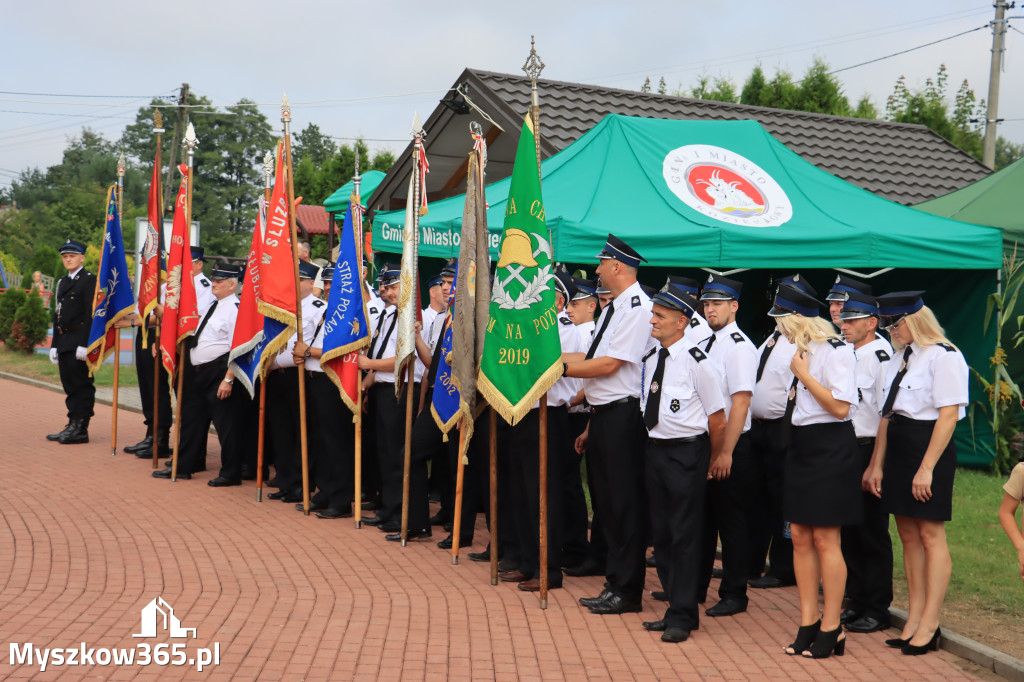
181 315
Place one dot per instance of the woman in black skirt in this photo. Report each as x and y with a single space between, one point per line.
923 397
821 477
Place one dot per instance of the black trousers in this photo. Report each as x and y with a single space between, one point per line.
476 484
726 510
615 450
78 385
427 445
281 439
575 547
331 442
390 427
524 490
867 548
769 441
199 407
144 362
676 482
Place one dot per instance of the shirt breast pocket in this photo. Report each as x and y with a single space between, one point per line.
676 397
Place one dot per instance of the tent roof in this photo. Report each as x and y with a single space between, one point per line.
338 201
616 179
997 200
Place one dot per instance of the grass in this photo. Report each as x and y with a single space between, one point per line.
986 597
38 366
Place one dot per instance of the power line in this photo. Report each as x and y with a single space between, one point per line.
896 54
340 100
49 94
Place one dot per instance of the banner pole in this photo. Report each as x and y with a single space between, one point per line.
493 465
357 418
460 472
117 330
190 143
286 118
157 361
268 171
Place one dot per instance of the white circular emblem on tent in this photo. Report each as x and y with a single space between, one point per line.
725 186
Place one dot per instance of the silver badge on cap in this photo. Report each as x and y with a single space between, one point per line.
838 278
711 278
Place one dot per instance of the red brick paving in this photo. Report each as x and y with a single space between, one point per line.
88 539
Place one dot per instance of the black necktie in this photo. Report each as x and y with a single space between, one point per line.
384 344
654 396
376 335
435 359
194 341
604 325
766 353
890 401
711 342
791 400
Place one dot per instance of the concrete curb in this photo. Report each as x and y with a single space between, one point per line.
104 395
1000 663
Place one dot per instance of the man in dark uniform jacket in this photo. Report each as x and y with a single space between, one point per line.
71 321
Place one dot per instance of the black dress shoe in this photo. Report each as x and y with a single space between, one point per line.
313 507
334 513
866 624
291 497
447 543
410 534
675 635
373 520
767 582
448 527
221 482
717 572
144 444
372 505
278 495
248 475
849 615
273 483
650 562
506 565
390 527
587 568
56 436
438 519
727 607
655 626
659 596
594 601
480 556
616 604
166 473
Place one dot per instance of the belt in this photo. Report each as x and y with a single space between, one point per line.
768 421
66 330
908 420
598 409
678 441
220 359
315 373
866 440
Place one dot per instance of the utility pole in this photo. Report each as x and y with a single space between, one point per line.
988 156
180 122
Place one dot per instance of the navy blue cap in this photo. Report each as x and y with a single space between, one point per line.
308 270
449 267
327 274
677 298
800 282
857 305
650 291
601 288
844 285
719 288
71 246
225 271
792 301
900 303
687 284
621 251
563 282
388 273
585 288
434 281
198 253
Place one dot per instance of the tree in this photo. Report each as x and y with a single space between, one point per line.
721 90
31 324
928 106
313 145
1007 152
866 109
10 302
646 87
753 87
820 92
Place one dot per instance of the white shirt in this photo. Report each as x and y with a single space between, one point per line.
872 362
691 390
435 330
312 311
566 388
428 315
834 366
313 364
624 339
374 305
204 294
936 377
772 391
699 331
586 330
215 340
383 346
735 357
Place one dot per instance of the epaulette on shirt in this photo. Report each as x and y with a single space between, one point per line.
205 282
373 310
694 322
882 355
236 304
648 354
948 346
698 354
318 303
635 301
737 337
565 320
836 343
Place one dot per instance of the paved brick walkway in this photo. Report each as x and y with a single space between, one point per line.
88 540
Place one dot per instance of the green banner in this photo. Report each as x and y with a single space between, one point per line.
522 352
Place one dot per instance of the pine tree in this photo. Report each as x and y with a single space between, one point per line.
10 302
31 324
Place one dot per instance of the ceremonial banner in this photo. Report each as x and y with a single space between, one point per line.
522 352
444 404
152 273
276 295
115 299
345 327
247 344
408 300
181 316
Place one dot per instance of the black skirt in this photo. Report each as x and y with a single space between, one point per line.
906 442
822 476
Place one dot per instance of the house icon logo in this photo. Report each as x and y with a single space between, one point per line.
159 612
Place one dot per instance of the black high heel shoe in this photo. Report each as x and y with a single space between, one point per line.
897 643
827 643
932 645
804 636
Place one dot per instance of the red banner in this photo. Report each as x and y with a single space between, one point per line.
181 315
276 295
151 271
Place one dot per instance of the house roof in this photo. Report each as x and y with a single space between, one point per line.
313 219
901 162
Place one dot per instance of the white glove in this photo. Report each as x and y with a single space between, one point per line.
53 355
80 353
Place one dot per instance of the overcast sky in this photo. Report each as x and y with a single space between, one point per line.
401 57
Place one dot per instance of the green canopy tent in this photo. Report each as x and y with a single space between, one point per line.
728 197
338 201
997 200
